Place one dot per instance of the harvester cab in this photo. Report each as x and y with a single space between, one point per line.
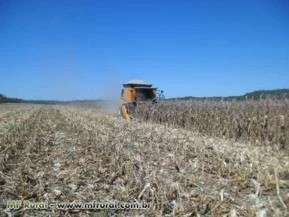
133 93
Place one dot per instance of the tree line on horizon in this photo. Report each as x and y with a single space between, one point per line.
277 94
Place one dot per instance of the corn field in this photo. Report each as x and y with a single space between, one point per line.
261 122
73 153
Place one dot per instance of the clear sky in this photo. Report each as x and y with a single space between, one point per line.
81 49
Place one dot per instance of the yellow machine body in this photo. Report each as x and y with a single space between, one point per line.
133 93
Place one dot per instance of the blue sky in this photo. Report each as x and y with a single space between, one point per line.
73 49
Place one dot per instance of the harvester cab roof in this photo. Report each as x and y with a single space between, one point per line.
137 83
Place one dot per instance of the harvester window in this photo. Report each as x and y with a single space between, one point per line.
145 94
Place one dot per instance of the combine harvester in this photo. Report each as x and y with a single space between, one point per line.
137 92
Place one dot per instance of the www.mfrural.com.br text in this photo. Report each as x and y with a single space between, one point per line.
94 205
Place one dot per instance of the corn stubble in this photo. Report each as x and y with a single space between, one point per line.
65 153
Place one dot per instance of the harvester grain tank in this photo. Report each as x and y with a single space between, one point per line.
133 93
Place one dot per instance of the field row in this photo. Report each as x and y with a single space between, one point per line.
259 122
12 115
